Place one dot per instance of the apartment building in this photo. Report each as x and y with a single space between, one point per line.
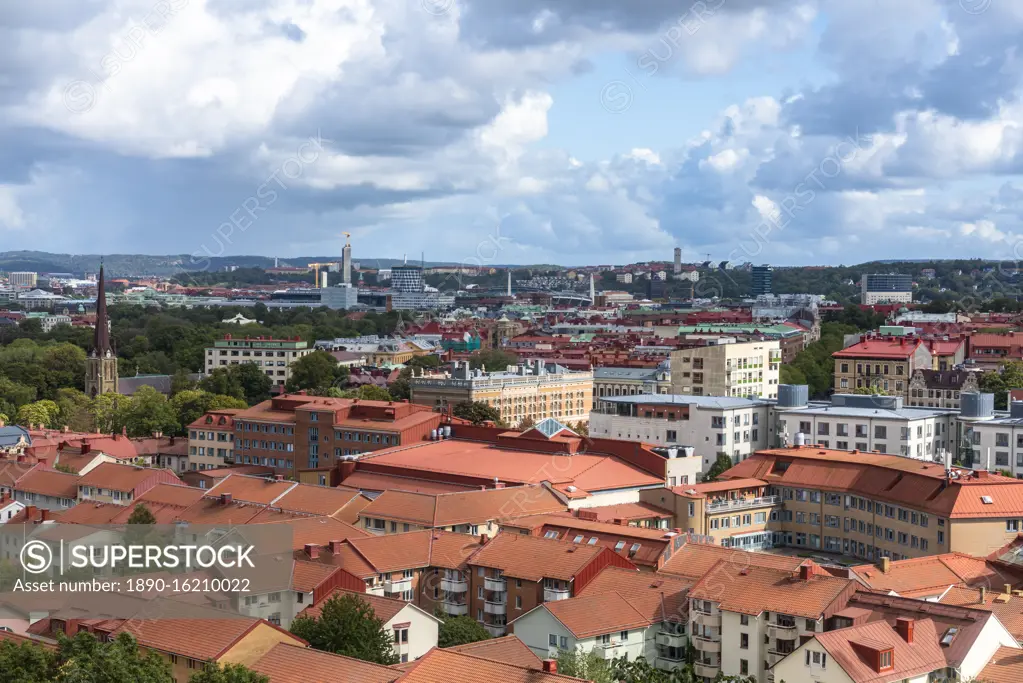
933 577
621 613
727 369
468 512
513 573
414 630
46 489
993 442
940 388
872 506
710 425
211 440
884 364
273 356
610 381
535 390
870 424
121 484
744 619
305 436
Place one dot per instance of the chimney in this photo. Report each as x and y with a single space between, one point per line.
550 666
983 595
483 539
30 512
312 550
1008 589
335 547
805 572
886 565
226 498
44 515
904 627
278 477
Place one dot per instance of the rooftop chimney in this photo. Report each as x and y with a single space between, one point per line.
904 627
550 666
335 547
805 572
225 498
312 550
483 539
1008 589
983 594
886 565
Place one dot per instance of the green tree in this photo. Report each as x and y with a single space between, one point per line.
581 428
83 659
459 631
1008 376
722 464
228 673
75 410
149 411
26 663
14 395
191 404
476 412
110 411
44 412
245 381
526 423
316 372
347 626
492 359
589 666
141 515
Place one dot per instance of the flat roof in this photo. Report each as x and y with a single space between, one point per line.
718 402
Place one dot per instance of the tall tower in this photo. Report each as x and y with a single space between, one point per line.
509 282
593 290
101 365
678 260
346 260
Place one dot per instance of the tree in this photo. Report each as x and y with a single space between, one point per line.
371 392
527 423
44 412
149 411
723 463
492 359
141 515
581 428
85 659
459 631
26 663
228 673
316 372
75 410
191 404
589 666
1008 376
347 626
476 412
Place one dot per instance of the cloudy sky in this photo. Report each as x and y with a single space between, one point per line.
514 131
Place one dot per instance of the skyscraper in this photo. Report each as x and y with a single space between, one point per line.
678 260
101 365
346 260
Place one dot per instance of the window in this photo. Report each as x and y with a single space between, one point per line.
884 660
880 432
744 641
816 659
518 602
811 625
744 620
743 667
552 640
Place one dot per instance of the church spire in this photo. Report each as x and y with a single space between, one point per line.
101 343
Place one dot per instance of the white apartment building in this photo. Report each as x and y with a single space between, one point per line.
995 440
710 425
273 356
727 368
23 280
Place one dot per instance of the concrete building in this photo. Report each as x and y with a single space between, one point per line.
273 356
890 288
991 441
610 381
532 390
407 279
346 261
727 369
339 298
677 268
23 280
709 425
761 280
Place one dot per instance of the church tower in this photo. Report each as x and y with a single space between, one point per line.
101 365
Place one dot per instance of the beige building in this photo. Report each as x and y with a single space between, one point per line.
727 369
533 390
273 356
884 364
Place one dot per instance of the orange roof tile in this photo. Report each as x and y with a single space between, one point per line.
49 483
620 539
395 552
447 666
532 558
700 490
507 650
252 489
1005 666
375 481
1008 608
755 589
306 576
693 560
118 477
922 657
658 597
286 663
466 507
898 347
202 639
317 500
932 574
595 614
320 531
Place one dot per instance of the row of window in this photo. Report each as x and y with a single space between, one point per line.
210 436
265 428
246 444
257 460
739 521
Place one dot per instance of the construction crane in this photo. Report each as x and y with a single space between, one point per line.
348 237
316 268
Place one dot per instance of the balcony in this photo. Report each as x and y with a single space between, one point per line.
707 619
765 501
706 644
454 585
496 585
553 594
707 670
495 631
783 631
495 607
774 655
670 639
455 609
398 585
609 651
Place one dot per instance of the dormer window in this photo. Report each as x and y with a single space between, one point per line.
885 660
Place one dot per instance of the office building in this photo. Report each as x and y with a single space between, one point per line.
890 288
339 298
610 381
533 390
407 279
273 356
23 280
761 280
677 270
727 369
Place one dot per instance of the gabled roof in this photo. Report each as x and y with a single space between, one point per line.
204 639
1005 666
532 558
117 477
468 507
375 481
932 574
445 666
595 614
694 560
49 483
1007 607
656 596
922 657
285 663
755 589
507 650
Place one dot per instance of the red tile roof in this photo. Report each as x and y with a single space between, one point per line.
446 666
465 507
900 348
49 483
374 481
384 609
1005 666
920 658
1006 606
507 650
296 664
533 559
658 597
933 574
694 560
117 477
595 614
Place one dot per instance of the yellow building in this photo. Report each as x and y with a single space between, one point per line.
530 390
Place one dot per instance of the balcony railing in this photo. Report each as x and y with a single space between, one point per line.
670 639
454 585
764 501
495 607
707 670
497 585
398 585
783 631
495 631
706 644
553 594
455 609
608 650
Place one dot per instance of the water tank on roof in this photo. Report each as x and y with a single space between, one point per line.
976 405
793 395
800 439
1016 409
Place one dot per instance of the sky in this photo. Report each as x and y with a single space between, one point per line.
514 131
